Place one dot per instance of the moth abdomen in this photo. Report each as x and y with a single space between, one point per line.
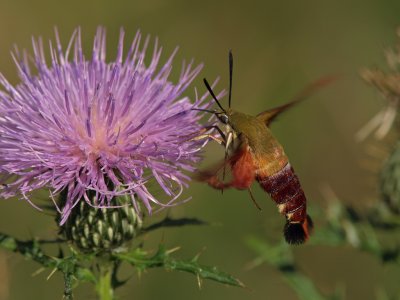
285 189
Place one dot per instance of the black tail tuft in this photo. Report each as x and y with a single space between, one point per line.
298 233
294 233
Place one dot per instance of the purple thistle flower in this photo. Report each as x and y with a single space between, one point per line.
87 125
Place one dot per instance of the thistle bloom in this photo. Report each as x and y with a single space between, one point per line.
85 125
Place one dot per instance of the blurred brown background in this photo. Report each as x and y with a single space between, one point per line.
279 46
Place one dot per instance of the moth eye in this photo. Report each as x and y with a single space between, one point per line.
224 118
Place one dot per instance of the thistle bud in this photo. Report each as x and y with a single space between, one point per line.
92 229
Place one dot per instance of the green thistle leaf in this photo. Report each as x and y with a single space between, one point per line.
280 256
162 258
69 266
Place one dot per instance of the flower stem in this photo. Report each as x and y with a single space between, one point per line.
68 287
104 286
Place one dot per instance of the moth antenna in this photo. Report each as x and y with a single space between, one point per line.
202 109
230 76
212 94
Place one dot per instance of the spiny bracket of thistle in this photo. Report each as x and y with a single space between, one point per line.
388 152
390 182
347 226
101 230
388 84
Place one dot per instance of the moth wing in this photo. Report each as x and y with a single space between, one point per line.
218 169
270 115
213 171
239 168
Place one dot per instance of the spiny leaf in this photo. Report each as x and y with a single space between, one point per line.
115 282
280 257
277 256
328 236
68 265
348 226
7 242
142 260
204 272
303 286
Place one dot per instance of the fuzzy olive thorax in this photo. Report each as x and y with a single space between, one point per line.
255 131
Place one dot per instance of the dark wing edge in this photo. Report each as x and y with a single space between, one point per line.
270 115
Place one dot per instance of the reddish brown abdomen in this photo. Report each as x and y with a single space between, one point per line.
285 189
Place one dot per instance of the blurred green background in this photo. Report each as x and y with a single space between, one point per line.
279 46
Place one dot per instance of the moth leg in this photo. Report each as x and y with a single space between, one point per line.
217 184
215 127
253 199
203 135
228 141
209 136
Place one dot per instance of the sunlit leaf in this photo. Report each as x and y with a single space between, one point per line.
162 258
